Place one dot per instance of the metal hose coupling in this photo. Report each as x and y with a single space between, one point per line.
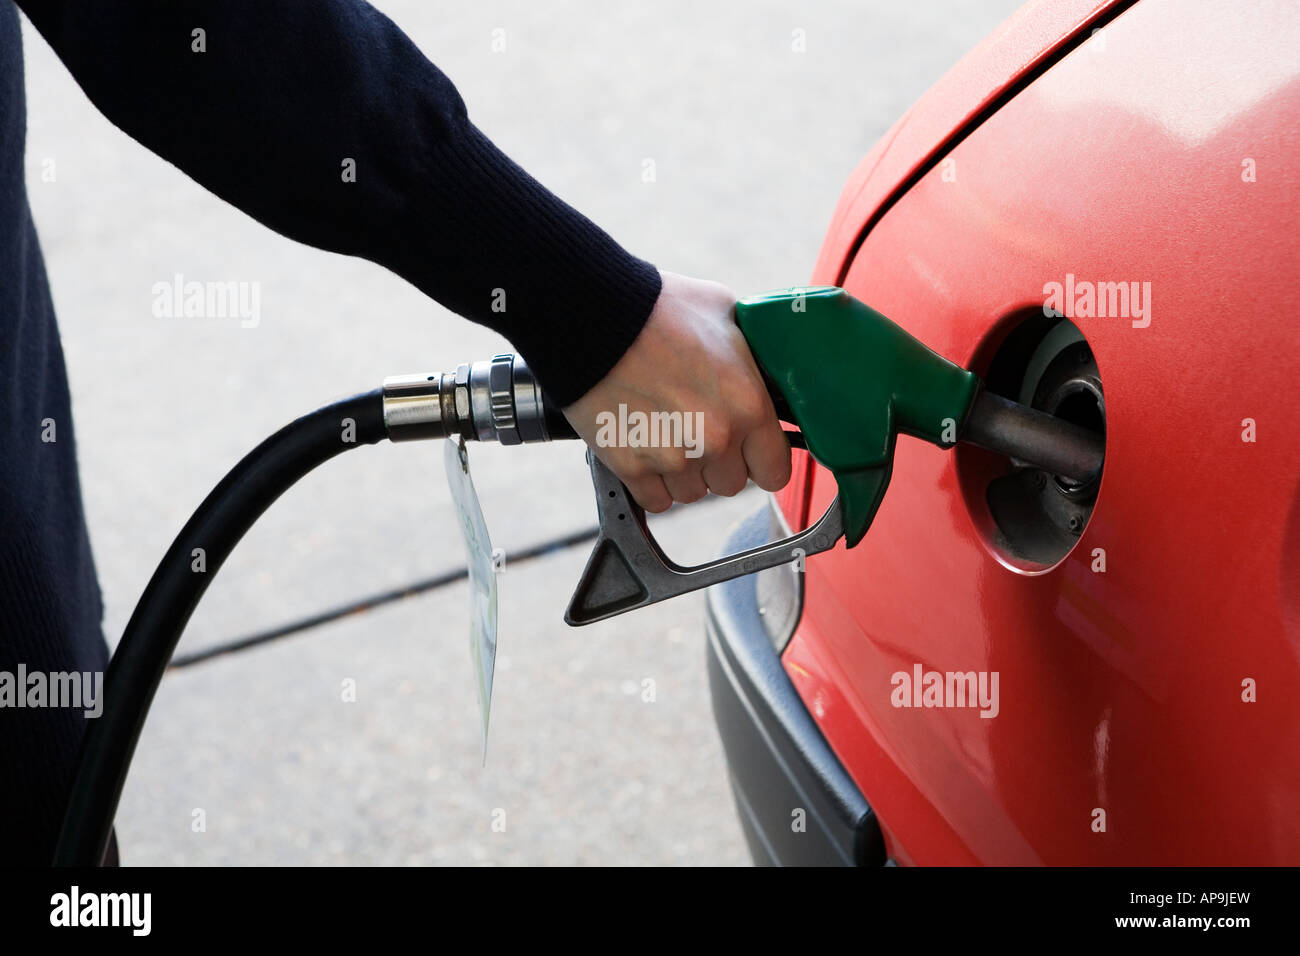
495 399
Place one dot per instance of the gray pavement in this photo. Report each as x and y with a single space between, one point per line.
751 144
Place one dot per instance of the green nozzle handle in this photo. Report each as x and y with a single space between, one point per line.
852 380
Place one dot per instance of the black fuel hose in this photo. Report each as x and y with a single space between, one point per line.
174 591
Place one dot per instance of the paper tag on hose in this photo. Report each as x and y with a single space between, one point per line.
483 564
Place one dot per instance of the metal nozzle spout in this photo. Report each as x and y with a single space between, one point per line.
1034 437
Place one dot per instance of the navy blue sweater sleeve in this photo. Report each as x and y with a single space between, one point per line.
286 92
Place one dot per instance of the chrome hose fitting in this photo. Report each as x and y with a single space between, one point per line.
496 399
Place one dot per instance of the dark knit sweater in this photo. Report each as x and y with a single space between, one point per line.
265 117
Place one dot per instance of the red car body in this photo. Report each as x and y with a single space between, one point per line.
1151 141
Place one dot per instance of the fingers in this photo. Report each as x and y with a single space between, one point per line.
766 453
668 480
650 492
686 486
763 454
726 474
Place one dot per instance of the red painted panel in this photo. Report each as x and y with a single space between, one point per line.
1121 690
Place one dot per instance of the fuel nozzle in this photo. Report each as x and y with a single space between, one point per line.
496 399
853 380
